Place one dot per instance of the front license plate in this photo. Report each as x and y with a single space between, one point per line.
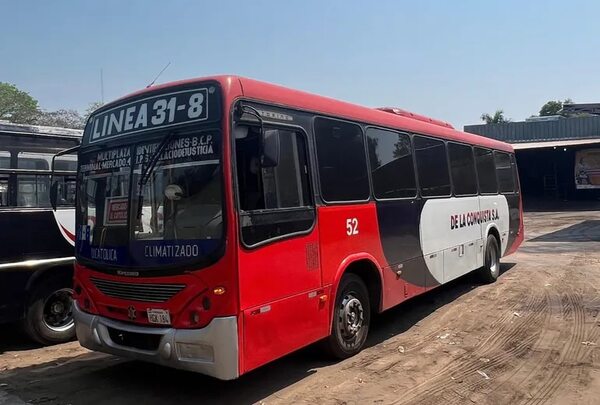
159 316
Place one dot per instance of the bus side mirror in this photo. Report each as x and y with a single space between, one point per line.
270 148
54 194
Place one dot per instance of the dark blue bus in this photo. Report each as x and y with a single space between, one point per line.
36 243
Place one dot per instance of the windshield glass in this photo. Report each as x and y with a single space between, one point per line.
170 217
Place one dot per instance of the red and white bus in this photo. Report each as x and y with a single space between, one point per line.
224 222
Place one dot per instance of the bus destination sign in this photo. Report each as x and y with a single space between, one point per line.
156 112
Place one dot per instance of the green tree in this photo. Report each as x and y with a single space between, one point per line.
17 106
553 107
497 118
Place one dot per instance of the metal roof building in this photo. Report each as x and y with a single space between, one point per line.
558 157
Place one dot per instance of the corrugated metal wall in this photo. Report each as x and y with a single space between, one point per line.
566 128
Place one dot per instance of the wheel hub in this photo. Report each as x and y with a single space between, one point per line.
58 312
351 317
57 308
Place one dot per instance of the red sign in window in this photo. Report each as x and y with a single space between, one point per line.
116 211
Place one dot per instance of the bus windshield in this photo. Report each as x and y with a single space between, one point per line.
133 213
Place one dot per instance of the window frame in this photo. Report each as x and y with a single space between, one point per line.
298 129
470 146
512 173
417 174
409 135
515 172
361 126
477 170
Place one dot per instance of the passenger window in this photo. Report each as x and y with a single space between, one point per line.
68 165
3 191
66 191
392 169
432 167
504 171
274 201
33 191
342 160
4 160
486 171
462 166
515 170
32 161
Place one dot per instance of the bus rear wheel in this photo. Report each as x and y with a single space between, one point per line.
351 318
491 267
49 316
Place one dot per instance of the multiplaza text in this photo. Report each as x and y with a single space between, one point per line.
473 218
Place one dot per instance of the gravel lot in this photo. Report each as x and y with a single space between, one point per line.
531 338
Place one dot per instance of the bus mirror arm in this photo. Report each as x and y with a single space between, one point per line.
54 194
269 139
54 184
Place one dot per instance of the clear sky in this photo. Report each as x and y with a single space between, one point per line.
452 59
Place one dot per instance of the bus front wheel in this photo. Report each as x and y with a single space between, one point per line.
49 316
351 318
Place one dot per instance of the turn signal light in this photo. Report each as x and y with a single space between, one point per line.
219 290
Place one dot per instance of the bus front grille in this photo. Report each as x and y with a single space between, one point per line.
137 291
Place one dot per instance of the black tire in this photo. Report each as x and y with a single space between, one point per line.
491 268
351 318
49 315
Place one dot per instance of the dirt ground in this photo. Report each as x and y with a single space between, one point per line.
533 337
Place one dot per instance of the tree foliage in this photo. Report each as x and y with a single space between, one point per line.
61 118
20 108
91 108
553 107
497 118
17 106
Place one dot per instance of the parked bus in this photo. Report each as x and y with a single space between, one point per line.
223 222
36 243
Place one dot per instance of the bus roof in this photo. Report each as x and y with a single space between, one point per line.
39 130
263 91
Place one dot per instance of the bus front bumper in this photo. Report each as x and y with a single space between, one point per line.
212 350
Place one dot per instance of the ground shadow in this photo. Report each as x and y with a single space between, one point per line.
13 338
586 231
101 379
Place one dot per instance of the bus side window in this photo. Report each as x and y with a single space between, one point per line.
66 191
391 159
33 190
66 184
4 164
513 163
342 161
486 171
3 191
462 166
432 167
504 171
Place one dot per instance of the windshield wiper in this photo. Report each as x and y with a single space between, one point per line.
147 171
